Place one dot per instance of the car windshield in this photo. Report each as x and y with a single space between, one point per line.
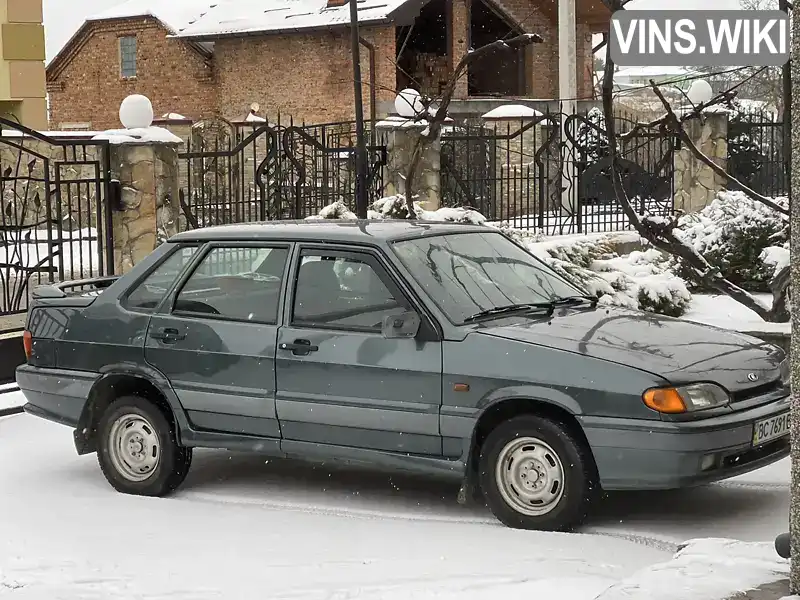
471 273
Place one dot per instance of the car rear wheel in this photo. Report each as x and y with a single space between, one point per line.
535 475
138 452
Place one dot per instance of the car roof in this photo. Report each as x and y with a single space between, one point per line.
327 230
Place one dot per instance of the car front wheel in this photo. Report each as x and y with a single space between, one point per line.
138 452
535 475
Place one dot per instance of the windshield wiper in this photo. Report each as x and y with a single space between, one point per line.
500 310
548 306
570 300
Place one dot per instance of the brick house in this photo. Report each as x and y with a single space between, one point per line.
202 57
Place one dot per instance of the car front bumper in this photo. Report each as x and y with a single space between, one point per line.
658 455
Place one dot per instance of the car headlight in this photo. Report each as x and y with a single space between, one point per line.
786 372
687 398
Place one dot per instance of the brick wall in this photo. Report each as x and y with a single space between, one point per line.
544 77
90 89
459 42
308 75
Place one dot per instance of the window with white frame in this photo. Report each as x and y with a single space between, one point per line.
127 56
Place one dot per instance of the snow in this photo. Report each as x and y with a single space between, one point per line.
146 135
173 117
724 312
75 249
242 524
512 111
175 14
9 398
777 257
229 17
706 569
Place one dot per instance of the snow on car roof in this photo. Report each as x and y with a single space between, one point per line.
328 230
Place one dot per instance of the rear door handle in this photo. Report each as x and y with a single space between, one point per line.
168 335
299 347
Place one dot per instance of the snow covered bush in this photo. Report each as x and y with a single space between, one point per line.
591 136
733 233
640 280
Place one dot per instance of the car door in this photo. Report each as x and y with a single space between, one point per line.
339 380
215 338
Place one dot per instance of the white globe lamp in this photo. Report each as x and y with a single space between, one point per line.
700 92
136 112
408 103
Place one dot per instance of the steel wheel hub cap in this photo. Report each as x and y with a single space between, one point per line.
134 447
530 476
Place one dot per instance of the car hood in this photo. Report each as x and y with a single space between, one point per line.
679 351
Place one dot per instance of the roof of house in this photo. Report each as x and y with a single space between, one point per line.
241 17
176 15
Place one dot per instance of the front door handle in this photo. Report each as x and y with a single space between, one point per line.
168 335
299 347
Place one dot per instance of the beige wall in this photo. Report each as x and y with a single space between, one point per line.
22 56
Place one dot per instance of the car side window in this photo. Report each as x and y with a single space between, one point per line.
149 292
235 283
343 292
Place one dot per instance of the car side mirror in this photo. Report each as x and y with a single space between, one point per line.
405 325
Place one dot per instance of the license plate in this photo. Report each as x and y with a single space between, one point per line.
770 429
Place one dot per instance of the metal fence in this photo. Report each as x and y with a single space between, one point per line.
756 152
55 214
233 173
552 172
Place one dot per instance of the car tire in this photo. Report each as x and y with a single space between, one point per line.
138 451
534 474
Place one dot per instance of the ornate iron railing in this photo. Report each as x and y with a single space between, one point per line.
55 222
552 172
233 173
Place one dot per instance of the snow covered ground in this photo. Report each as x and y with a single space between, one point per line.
246 527
723 311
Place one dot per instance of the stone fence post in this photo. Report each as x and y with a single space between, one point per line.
144 160
148 176
402 136
696 184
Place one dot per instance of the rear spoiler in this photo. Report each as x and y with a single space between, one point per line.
68 288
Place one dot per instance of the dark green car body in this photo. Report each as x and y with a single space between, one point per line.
278 384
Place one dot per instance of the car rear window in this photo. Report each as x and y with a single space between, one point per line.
150 291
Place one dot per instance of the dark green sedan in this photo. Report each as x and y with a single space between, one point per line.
439 348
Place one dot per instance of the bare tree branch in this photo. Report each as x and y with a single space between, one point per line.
660 232
675 124
438 119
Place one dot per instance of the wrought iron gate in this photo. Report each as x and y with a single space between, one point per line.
256 172
552 172
55 219
756 152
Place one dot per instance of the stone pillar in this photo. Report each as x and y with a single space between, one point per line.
458 33
696 184
148 176
402 137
